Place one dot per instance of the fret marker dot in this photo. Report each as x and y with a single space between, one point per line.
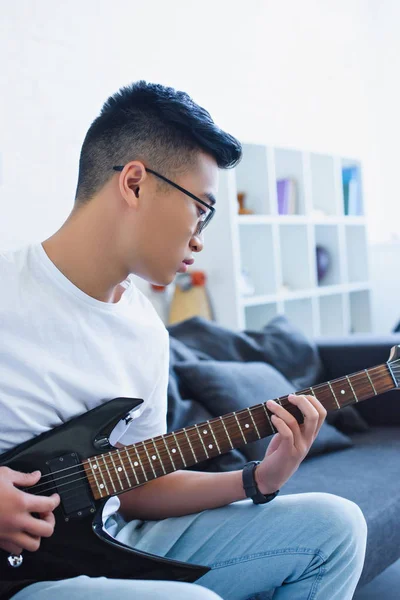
247 425
154 457
342 392
119 469
94 466
210 446
173 450
136 464
101 486
205 431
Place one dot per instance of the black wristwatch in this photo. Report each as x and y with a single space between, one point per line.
250 485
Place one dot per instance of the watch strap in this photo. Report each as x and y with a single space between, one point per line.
250 484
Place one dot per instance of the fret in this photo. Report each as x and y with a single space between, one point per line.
136 463
180 451
370 380
268 417
190 444
343 393
279 401
334 395
352 389
201 439
149 459
159 457
227 434
254 423
122 464
241 431
215 439
132 467
169 454
116 470
108 472
93 470
312 392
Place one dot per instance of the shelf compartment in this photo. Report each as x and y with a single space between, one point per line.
257 257
295 263
300 313
252 179
327 237
256 317
289 164
323 186
356 253
360 311
331 311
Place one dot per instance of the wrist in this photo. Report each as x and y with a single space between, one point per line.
263 487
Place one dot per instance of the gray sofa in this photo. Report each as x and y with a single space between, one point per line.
209 366
369 472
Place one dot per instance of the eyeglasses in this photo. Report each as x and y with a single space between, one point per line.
207 215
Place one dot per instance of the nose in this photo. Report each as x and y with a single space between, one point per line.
197 242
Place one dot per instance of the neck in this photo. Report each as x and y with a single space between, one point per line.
82 250
119 470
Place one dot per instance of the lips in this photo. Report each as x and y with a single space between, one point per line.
189 261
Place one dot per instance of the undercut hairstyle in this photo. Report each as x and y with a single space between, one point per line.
158 125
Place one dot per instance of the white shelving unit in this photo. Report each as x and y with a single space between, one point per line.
278 252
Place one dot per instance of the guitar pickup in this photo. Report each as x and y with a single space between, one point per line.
71 484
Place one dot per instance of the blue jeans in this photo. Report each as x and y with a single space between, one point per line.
297 547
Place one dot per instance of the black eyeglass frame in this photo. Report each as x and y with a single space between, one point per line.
202 224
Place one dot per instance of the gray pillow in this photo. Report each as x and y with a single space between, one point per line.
223 387
279 344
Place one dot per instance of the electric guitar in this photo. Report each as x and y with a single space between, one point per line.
77 461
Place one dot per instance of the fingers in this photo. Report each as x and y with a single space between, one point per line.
24 479
42 527
322 412
280 414
10 547
302 438
27 542
41 504
311 415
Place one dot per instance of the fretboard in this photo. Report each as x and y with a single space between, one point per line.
120 470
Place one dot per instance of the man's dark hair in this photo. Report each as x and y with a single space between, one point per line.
159 125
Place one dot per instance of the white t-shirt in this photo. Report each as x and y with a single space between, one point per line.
63 352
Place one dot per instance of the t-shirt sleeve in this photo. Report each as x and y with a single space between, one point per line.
153 419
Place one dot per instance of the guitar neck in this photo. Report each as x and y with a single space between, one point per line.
120 470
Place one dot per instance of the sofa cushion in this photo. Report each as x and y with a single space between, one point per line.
223 387
279 344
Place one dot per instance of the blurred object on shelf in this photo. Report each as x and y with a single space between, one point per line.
323 262
241 198
246 284
191 298
351 191
318 213
157 288
287 196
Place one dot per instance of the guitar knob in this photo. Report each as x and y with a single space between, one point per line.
15 560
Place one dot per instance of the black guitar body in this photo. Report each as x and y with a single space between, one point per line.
79 545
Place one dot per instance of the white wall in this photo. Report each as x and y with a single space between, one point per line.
306 74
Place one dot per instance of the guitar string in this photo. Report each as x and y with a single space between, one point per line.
129 471
188 429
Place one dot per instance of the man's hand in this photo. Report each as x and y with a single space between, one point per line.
19 529
291 443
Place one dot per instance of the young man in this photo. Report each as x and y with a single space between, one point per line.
76 332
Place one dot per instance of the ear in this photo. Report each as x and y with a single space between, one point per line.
131 178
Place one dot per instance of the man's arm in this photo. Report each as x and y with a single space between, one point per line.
181 493
185 492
